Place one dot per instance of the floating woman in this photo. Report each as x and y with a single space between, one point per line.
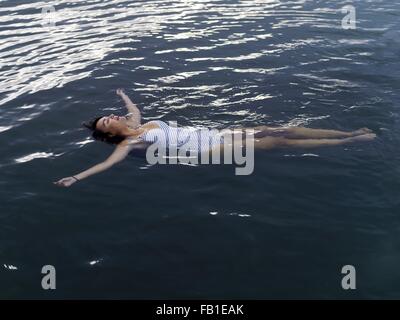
128 133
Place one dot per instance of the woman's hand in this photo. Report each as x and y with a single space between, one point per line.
121 92
65 182
132 108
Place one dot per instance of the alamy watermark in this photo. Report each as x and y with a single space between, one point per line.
48 16
349 20
49 280
194 146
349 280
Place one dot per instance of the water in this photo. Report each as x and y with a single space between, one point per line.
140 231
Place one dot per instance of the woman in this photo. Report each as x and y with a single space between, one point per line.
128 133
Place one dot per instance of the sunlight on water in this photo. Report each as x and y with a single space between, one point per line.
48 57
36 155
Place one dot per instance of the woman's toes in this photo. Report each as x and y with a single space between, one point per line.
365 137
362 131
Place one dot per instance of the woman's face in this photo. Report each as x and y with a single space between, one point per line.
112 124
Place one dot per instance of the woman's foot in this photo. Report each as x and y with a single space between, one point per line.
362 137
361 132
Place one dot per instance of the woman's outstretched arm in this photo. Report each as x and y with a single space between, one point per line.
136 118
119 154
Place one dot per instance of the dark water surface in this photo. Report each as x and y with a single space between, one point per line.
140 231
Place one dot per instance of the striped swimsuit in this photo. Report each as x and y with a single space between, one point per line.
195 140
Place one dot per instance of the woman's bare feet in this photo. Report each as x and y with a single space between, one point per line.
362 137
361 131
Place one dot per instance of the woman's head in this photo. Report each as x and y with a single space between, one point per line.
111 129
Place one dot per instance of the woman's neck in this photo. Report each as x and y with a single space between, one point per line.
129 132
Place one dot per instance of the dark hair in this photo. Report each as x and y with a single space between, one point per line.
100 135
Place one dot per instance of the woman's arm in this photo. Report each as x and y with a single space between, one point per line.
119 154
132 108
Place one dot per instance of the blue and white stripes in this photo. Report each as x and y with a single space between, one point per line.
195 140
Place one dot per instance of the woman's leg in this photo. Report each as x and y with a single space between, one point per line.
306 133
279 142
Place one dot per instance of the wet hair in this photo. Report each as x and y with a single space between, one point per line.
100 135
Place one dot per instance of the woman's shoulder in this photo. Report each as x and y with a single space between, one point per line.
134 147
128 142
153 124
